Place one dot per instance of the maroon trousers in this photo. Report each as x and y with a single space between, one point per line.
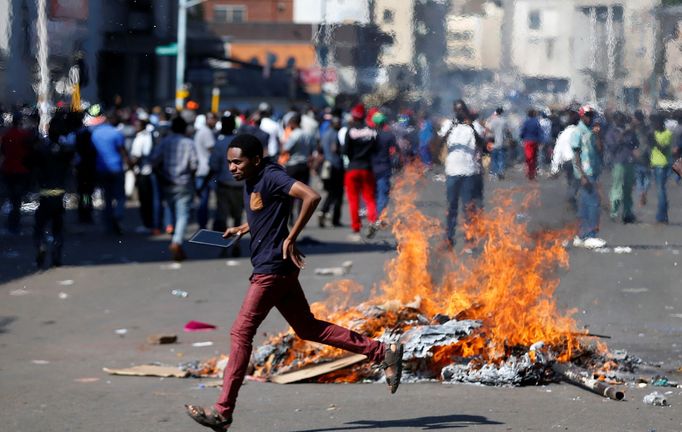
285 293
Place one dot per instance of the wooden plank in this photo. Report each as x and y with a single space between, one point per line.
317 370
149 370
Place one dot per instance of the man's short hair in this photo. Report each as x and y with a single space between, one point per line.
179 125
227 124
248 144
295 120
499 110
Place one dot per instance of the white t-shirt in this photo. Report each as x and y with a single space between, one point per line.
142 147
204 140
563 152
271 127
461 144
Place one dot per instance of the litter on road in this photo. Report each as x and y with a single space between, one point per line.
149 370
86 380
196 326
162 339
655 399
180 293
202 344
19 292
335 271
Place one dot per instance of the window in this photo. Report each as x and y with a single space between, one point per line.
549 47
534 21
461 52
229 13
466 35
388 16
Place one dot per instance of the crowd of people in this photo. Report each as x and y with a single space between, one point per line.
578 141
176 163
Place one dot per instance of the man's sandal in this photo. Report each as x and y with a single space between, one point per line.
209 418
393 360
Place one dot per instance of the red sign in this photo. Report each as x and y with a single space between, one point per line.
69 9
318 76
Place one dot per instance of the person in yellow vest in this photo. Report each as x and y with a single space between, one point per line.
661 156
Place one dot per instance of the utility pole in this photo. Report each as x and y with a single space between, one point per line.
180 61
44 84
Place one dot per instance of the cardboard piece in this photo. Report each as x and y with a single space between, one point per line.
149 370
317 370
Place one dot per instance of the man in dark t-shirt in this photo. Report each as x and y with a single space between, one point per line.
268 197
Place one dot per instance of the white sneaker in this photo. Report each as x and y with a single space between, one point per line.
578 242
355 237
594 243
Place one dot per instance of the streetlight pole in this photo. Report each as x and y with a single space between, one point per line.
44 84
180 59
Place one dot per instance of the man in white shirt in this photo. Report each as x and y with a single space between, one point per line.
204 140
461 169
147 190
269 126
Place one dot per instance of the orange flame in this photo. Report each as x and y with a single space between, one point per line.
509 286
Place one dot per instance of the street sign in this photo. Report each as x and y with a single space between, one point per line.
167 50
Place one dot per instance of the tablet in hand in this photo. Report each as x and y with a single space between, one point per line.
213 238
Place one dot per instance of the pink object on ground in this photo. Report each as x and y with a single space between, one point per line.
194 326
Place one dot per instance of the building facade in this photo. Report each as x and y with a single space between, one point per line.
602 51
112 43
241 11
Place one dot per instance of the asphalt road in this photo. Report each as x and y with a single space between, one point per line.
57 331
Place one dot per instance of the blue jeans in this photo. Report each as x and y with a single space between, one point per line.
642 173
202 208
425 154
17 187
179 199
157 204
661 174
464 188
498 159
572 184
588 209
383 189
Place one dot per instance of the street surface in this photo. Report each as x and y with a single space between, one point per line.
57 332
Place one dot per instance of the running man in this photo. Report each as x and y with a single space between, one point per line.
268 197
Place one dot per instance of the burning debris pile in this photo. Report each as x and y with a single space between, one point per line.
490 318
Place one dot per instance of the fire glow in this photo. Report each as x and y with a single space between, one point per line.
502 299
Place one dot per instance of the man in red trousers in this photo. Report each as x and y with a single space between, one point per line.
359 146
268 196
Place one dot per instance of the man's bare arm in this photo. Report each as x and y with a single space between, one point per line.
311 200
